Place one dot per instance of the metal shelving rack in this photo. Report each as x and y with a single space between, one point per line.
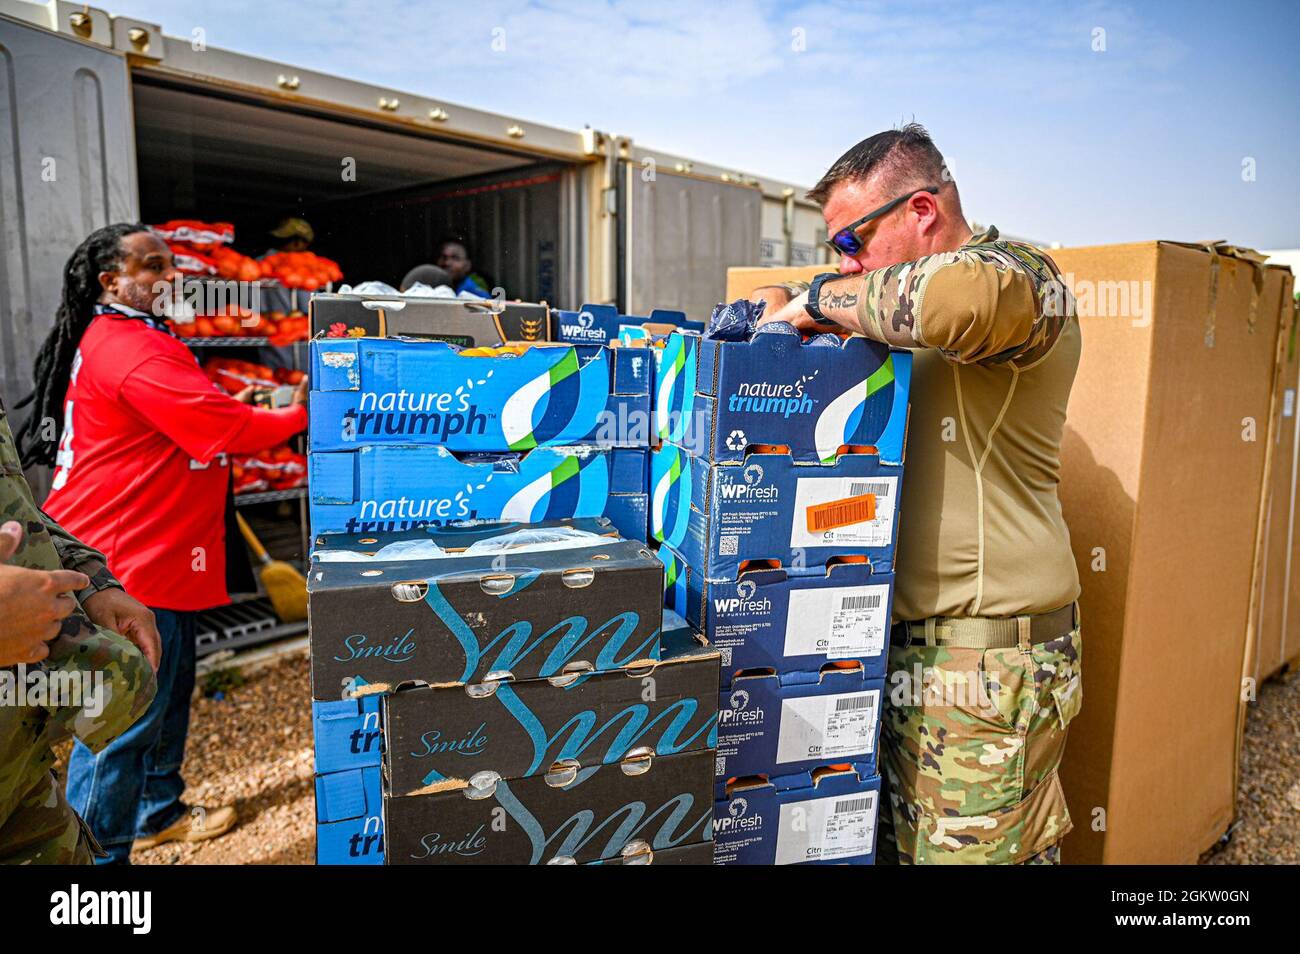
250 620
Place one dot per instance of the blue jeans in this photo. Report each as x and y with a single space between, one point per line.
133 788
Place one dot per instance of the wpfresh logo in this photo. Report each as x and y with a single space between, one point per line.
737 819
752 487
583 330
769 397
739 712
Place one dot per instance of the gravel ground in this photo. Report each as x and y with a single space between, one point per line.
253 749
1268 804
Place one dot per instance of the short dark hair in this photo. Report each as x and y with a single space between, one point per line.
905 158
455 240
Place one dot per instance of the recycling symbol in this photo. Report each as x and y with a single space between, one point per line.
736 440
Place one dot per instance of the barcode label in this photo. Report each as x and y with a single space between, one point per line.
841 513
828 727
826 829
839 622
847 705
878 488
854 804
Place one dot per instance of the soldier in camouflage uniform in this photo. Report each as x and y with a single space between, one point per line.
985 654
36 823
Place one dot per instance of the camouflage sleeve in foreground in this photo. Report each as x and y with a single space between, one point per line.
114 680
75 555
992 302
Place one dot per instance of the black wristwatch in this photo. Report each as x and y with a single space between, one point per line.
814 292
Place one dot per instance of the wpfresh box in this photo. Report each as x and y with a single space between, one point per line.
717 398
601 324
466 323
656 803
453 612
347 734
769 618
349 818
396 488
782 723
443 737
401 391
825 817
769 506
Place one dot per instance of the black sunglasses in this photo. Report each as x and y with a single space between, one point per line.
846 241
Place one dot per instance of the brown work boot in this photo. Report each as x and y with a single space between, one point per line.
199 824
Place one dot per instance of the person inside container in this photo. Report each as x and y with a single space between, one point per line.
454 259
293 234
140 441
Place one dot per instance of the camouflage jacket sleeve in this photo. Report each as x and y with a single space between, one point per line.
989 302
114 680
75 555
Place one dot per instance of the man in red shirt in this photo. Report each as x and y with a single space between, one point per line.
142 474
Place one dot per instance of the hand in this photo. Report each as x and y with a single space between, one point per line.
776 296
113 609
793 312
36 602
246 395
300 392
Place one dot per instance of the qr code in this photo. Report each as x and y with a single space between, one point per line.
720 765
726 655
729 545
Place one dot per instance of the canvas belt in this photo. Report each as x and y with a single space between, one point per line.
982 632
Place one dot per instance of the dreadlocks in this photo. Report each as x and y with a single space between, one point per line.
100 252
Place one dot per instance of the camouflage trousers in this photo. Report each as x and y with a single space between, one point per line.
44 830
970 745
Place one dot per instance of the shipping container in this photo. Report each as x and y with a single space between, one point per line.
135 124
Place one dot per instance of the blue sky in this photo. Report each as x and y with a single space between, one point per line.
1049 135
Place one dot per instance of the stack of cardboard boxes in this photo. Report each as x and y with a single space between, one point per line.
774 501
503 694
494 692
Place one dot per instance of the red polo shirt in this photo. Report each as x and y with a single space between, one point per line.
142 472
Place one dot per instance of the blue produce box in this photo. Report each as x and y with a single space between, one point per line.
350 818
404 391
769 618
769 506
825 817
397 488
601 324
717 398
347 734
783 723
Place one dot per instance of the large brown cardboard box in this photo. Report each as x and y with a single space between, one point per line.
1165 452
1163 462
742 281
1277 643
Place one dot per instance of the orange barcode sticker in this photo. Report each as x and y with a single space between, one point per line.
841 513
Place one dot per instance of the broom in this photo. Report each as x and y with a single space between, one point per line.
284 585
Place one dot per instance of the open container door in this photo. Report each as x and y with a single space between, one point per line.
67 167
680 233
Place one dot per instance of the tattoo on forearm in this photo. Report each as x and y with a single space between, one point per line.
842 300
